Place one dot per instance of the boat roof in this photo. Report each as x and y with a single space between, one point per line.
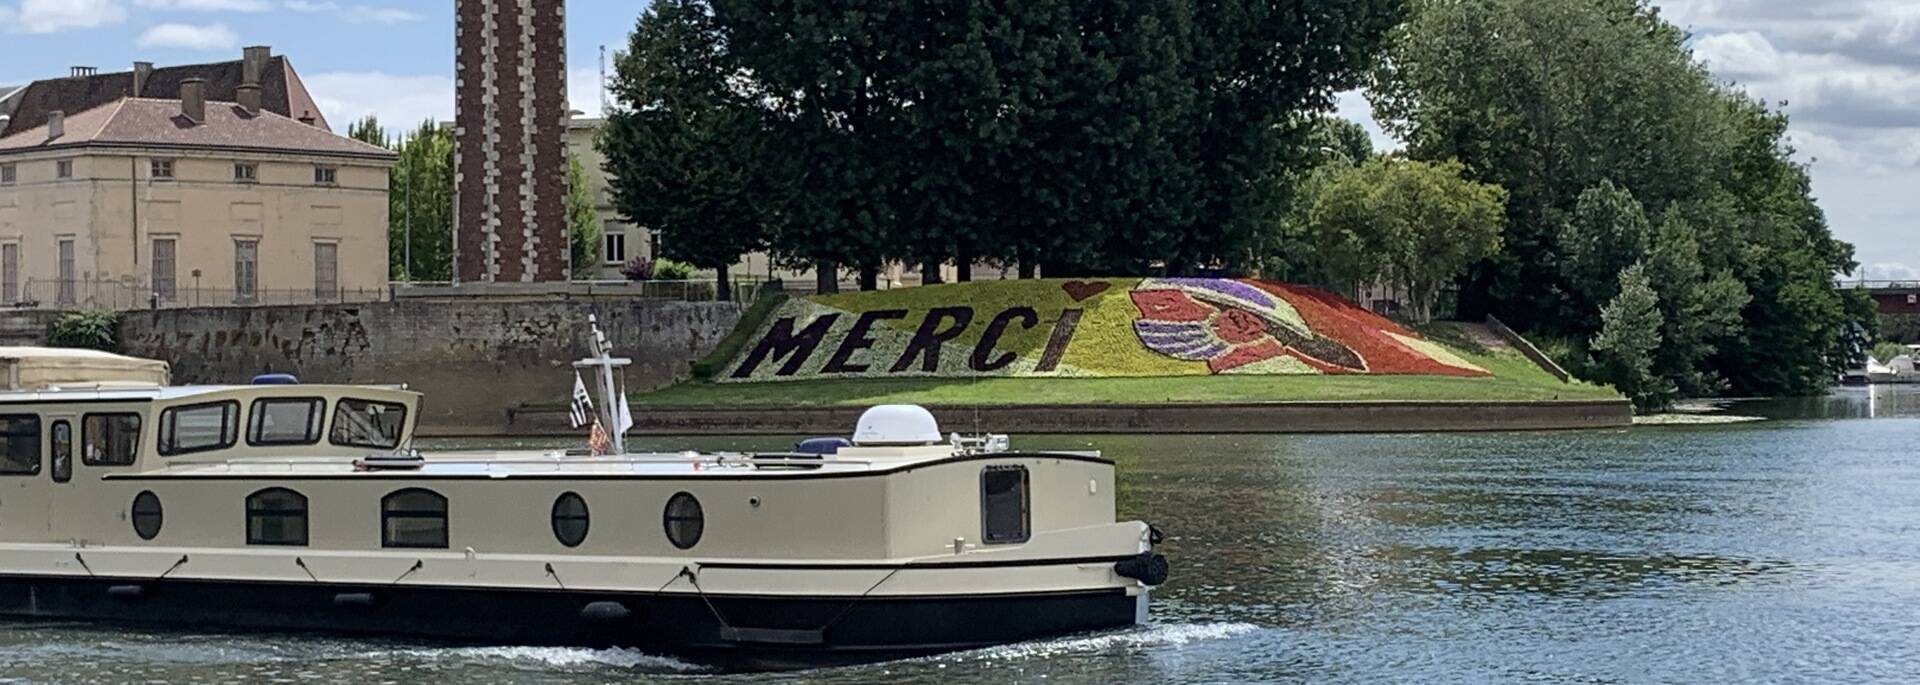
135 392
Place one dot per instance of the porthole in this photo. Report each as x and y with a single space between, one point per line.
570 520
684 520
146 515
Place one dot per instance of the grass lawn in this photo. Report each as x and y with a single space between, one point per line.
1514 378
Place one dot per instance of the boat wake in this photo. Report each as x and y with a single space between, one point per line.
560 657
1134 639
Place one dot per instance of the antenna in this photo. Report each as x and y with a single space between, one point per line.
603 79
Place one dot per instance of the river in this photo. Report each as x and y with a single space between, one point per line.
1785 550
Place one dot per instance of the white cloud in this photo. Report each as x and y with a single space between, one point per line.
1353 105
1888 271
52 16
583 90
207 5
189 37
401 102
354 14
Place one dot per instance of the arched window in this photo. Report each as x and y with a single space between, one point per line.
277 516
570 519
684 520
147 515
413 518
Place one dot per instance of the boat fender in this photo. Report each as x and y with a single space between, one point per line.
1148 568
128 592
353 599
605 612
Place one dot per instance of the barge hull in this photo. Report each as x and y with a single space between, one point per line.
730 631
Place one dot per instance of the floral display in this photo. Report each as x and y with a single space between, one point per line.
1084 328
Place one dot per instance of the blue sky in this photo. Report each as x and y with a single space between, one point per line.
1849 69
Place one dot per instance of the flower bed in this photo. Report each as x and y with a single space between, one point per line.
1083 328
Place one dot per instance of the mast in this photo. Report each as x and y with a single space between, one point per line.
602 359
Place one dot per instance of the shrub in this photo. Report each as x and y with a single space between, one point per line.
669 270
91 330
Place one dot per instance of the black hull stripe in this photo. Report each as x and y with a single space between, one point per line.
931 565
787 473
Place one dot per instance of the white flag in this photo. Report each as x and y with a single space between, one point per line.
623 417
581 413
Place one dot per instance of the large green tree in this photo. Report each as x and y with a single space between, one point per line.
583 223
689 149
420 205
1629 335
1551 98
1413 225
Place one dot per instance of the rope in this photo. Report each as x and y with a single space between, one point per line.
556 576
417 565
687 571
851 603
176 565
302 563
83 563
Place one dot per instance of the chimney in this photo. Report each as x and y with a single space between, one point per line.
308 118
248 94
254 63
56 124
81 72
193 99
141 70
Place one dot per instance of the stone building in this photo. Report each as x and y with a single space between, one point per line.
280 88
192 201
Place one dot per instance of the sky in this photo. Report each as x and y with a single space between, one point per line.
1848 71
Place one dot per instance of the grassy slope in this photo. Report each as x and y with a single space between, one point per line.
1515 378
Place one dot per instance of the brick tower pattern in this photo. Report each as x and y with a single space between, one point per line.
509 155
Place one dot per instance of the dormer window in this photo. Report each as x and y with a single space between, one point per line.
326 176
245 172
162 169
63 169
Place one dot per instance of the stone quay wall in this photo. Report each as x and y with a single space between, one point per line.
480 363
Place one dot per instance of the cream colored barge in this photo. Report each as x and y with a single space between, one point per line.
303 507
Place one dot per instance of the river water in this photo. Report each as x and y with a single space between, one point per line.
1785 550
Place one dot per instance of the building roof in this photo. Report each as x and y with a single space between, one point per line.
152 123
281 91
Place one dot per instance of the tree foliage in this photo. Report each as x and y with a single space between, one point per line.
420 205
583 223
1555 100
367 130
1410 224
93 329
1629 335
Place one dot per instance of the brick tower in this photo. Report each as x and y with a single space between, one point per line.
510 173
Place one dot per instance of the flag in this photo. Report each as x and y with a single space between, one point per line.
597 441
582 411
622 416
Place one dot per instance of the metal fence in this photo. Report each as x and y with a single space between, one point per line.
123 296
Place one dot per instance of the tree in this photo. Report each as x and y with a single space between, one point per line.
420 206
583 223
1336 137
1607 232
368 130
1697 311
1415 225
1629 334
688 150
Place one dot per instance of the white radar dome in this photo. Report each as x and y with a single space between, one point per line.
895 425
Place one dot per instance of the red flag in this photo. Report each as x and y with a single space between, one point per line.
598 442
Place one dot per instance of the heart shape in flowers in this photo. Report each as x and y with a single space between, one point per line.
1081 290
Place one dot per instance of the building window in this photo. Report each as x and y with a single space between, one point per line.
62 451
1004 508
246 265
616 247
285 421
246 172
1913 299
684 520
366 423
147 515
326 271
66 286
570 520
413 518
277 516
7 174
199 427
20 444
63 169
10 273
162 169
326 176
165 284
109 439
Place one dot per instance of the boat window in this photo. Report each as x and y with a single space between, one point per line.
147 515
684 520
109 439
288 421
366 423
413 518
19 444
570 520
62 451
277 516
1004 507
199 427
